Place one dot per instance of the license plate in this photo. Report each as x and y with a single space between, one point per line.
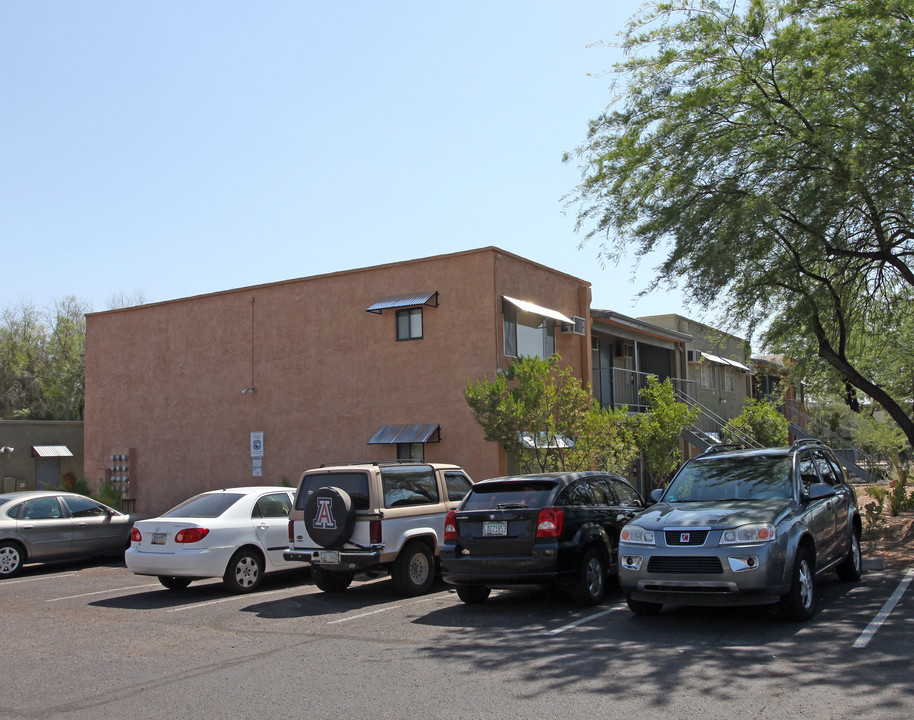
159 538
494 529
329 557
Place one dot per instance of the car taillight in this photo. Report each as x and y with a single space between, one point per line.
291 531
450 527
374 532
135 536
549 523
191 535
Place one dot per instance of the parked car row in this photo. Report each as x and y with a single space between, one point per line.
732 527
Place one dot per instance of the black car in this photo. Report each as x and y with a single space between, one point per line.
559 529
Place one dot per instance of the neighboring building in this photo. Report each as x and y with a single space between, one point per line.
718 364
257 384
36 454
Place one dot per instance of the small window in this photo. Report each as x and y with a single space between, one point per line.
84 507
729 380
527 334
458 485
409 324
625 493
276 505
411 451
825 469
408 485
708 375
42 509
808 474
354 483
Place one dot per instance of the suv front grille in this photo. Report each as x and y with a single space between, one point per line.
685 565
676 538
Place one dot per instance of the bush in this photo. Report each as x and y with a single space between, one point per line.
762 421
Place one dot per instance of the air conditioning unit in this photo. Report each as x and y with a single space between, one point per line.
693 355
576 328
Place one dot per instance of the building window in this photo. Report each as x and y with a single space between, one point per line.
409 324
729 379
708 375
527 334
411 451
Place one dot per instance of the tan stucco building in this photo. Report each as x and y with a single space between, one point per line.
367 364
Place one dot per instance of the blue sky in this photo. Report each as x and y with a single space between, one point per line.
179 148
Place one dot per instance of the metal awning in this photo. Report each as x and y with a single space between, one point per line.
51 451
393 434
724 361
538 310
544 441
426 297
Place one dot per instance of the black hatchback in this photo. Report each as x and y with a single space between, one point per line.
558 529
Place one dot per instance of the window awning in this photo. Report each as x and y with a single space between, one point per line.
539 310
724 361
394 434
51 451
426 297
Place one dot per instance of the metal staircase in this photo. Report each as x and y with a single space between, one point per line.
707 429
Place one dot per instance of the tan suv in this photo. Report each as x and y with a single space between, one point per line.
374 517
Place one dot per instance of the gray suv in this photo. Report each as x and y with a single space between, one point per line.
742 527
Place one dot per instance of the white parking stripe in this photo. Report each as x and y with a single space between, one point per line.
585 620
375 612
243 596
33 579
890 604
101 592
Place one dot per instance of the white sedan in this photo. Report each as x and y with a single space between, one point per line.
237 534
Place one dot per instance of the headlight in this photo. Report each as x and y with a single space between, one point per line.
638 535
764 532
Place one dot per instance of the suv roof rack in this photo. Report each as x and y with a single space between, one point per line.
723 447
807 441
376 463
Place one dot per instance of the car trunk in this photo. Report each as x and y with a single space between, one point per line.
497 532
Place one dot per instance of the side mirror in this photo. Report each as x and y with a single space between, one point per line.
818 491
656 495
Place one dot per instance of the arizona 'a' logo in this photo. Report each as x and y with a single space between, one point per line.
324 518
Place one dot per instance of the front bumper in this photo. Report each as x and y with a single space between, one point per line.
717 576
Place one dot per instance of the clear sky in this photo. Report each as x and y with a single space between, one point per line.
176 148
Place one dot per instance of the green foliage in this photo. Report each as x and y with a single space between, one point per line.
898 498
763 149
761 420
42 358
657 431
69 482
547 420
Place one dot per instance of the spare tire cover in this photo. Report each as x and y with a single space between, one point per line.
329 516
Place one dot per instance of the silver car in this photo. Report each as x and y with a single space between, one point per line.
50 525
740 527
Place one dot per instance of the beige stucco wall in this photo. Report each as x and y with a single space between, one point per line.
167 379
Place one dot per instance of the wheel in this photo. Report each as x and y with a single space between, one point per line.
851 568
413 572
639 607
329 517
174 583
591 583
330 581
800 602
243 572
11 557
473 594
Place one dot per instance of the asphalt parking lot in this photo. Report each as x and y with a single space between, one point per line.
91 640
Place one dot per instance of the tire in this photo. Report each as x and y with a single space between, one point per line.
329 581
329 517
473 594
851 568
12 555
639 607
175 583
800 602
413 571
591 585
243 572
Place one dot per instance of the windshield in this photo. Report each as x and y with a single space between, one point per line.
204 506
509 495
732 478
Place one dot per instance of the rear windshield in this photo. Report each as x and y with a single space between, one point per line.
507 495
734 478
354 483
210 505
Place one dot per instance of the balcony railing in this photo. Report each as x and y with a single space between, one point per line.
627 386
